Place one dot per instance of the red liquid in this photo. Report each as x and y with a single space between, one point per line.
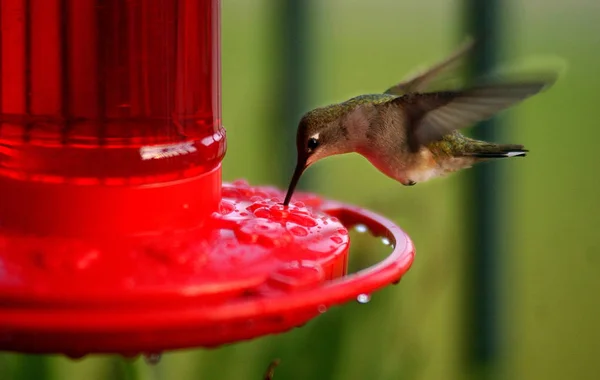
110 115
109 91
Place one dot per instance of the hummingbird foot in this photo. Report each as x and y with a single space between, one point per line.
410 183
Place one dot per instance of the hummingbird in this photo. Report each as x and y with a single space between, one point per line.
411 134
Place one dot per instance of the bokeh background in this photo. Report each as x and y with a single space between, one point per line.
547 300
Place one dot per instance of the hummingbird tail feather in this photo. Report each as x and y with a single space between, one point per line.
498 151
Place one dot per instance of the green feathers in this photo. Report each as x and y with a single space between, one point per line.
324 115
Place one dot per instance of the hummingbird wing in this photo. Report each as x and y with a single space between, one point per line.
420 81
434 115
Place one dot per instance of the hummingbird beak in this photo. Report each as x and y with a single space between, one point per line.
300 167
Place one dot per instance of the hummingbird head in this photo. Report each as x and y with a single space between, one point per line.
320 134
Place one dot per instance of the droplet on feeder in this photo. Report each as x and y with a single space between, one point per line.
152 358
336 239
363 298
361 228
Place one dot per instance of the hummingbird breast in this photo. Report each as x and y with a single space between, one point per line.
410 168
386 147
428 165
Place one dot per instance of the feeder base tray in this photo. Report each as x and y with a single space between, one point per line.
254 268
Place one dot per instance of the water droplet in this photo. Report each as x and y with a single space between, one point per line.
336 239
299 231
240 183
278 213
262 227
297 275
300 211
299 204
263 195
262 213
263 232
152 358
321 308
256 205
302 219
224 208
243 214
342 231
385 241
363 298
230 192
361 228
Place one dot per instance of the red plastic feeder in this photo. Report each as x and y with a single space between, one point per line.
116 234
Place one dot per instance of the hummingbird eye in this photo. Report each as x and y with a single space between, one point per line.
312 143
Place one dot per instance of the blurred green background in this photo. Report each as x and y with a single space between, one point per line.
549 271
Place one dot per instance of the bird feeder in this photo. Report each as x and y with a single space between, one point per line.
116 232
